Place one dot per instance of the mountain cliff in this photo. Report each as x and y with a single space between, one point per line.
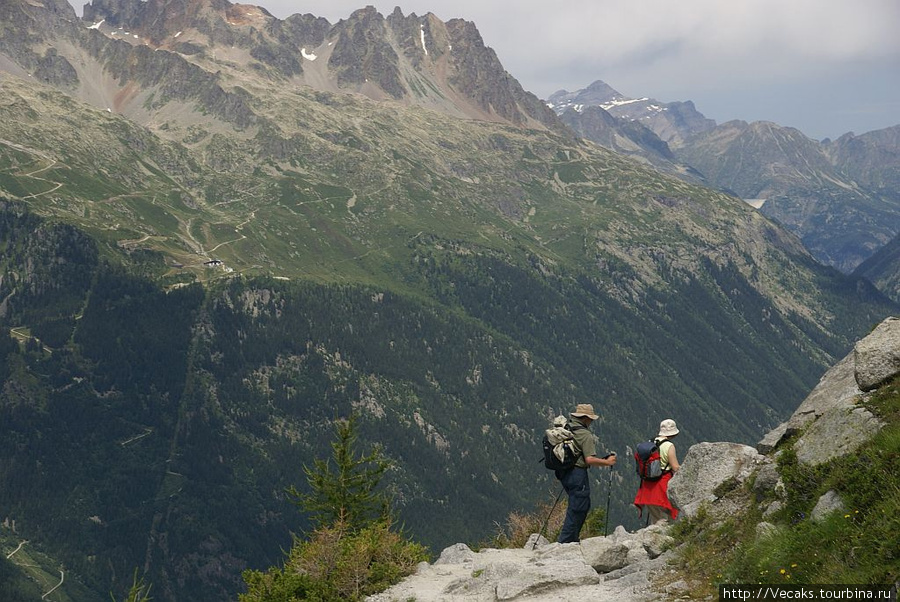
840 197
211 46
225 230
744 514
672 122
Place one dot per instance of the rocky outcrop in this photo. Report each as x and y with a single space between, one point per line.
362 53
478 74
829 423
830 420
619 567
709 470
876 358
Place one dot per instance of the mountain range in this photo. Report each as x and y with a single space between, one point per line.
222 230
840 197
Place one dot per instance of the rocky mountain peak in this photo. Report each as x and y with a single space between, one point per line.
598 94
363 53
414 60
672 122
157 20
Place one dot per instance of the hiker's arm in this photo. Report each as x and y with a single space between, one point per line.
595 461
673 460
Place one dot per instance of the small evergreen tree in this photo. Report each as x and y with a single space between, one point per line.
344 487
139 591
353 551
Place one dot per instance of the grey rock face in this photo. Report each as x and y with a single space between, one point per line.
362 53
828 503
772 509
830 418
551 573
838 432
56 70
767 479
707 466
836 389
877 357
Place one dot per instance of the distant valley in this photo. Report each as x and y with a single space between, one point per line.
840 197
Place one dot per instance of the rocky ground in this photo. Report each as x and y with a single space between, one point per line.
621 567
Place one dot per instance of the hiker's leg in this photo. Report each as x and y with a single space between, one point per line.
577 486
657 514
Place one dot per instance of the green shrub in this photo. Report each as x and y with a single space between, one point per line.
337 564
353 551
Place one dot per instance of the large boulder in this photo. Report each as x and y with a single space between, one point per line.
837 390
604 554
706 468
456 554
508 574
838 432
829 503
877 357
830 420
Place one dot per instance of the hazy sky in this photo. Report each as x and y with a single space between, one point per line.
826 67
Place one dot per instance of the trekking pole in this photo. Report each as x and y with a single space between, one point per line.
608 494
547 520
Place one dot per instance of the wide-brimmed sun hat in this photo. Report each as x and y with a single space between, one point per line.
667 428
584 409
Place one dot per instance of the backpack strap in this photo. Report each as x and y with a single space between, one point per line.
665 459
577 427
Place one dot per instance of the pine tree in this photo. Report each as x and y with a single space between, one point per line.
353 551
344 488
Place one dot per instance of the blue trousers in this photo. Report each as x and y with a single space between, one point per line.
575 482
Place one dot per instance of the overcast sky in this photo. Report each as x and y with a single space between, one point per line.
826 67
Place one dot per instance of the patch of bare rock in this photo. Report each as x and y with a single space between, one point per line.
618 567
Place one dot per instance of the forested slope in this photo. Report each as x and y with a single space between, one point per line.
152 428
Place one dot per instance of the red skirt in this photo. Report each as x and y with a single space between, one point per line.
655 493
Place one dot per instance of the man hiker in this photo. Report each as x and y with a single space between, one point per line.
575 480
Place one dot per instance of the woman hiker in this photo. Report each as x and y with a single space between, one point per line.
575 480
653 496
